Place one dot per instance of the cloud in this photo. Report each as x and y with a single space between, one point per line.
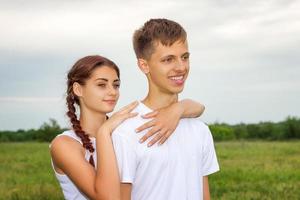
31 99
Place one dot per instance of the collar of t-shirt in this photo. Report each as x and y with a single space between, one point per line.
143 109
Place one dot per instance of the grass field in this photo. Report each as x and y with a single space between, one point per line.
249 170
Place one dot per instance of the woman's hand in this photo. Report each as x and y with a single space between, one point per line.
118 117
164 122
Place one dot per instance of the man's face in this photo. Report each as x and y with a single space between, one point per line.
168 67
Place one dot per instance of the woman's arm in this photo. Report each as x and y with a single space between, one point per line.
69 158
191 109
165 120
107 182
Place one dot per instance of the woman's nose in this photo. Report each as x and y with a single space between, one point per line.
112 91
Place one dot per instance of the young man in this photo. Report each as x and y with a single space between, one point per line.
177 169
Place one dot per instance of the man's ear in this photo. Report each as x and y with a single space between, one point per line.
143 65
77 89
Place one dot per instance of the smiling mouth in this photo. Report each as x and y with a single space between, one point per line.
177 78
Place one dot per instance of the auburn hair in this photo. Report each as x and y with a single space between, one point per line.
156 30
80 72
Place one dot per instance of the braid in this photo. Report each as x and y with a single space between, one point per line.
86 142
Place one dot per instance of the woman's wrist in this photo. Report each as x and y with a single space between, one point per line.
179 108
104 131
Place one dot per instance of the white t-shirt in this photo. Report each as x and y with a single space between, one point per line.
171 171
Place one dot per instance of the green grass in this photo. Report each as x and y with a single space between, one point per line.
257 170
25 172
249 170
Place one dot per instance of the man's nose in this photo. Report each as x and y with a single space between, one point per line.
180 65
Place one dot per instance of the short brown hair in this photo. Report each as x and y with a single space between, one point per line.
156 30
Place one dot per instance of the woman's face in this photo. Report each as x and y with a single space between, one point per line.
101 91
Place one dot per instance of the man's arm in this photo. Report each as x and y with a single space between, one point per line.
206 193
126 191
209 161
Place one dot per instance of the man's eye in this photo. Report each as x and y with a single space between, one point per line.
101 85
185 57
168 60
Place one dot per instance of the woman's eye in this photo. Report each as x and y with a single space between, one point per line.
117 86
101 85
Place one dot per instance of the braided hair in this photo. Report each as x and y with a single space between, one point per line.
79 73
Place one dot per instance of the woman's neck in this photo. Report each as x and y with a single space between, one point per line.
91 122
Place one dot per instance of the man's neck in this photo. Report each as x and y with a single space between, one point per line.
159 100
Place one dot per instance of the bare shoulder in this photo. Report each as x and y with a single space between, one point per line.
64 148
65 143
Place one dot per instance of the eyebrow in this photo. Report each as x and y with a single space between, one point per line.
186 54
106 80
171 55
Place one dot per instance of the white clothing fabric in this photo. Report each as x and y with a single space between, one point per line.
70 191
172 171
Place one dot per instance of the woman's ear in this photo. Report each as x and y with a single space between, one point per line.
143 65
77 89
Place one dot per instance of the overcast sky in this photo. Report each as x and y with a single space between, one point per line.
245 55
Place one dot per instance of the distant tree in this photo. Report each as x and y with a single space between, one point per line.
265 130
48 131
278 131
253 131
240 131
222 132
292 127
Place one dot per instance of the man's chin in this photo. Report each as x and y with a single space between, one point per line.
177 90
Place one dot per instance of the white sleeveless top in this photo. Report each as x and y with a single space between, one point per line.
70 191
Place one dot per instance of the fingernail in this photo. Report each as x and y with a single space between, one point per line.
141 140
149 145
136 130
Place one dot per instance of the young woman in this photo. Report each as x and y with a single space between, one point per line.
83 158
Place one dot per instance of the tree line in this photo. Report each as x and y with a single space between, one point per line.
284 130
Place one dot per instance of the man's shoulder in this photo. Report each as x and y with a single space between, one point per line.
129 125
195 128
125 132
194 123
